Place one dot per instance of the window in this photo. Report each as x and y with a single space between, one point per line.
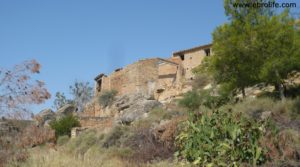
182 57
207 52
99 84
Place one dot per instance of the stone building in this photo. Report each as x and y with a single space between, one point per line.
156 77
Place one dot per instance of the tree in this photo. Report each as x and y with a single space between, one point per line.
255 46
18 89
61 100
279 41
82 93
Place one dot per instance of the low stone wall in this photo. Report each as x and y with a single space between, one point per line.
96 121
76 131
100 123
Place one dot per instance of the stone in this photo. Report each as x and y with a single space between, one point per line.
44 116
65 110
133 107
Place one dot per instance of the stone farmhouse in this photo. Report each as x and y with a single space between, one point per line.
159 78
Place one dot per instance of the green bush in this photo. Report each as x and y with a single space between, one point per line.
221 138
107 97
193 100
64 125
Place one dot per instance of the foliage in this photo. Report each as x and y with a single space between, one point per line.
191 100
281 53
64 125
82 93
194 99
107 97
18 89
61 100
256 45
114 138
221 138
201 78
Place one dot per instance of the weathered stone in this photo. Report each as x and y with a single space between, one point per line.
137 107
44 116
65 110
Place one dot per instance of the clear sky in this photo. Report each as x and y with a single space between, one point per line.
78 39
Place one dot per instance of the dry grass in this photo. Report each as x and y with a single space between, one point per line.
43 157
49 158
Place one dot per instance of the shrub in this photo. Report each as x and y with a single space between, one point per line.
116 136
219 138
33 136
61 140
253 107
201 80
147 148
64 125
193 99
107 97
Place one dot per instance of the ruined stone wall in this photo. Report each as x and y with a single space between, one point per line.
147 72
167 74
105 84
96 121
137 77
150 76
192 60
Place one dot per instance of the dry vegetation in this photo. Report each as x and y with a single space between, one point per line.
146 143
150 141
14 145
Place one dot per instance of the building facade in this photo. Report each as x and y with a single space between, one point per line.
156 77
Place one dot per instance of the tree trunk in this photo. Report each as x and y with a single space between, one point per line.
281 91
280 87
243 92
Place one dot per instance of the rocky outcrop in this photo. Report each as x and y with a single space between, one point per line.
293 79
44 117
133 107
65 110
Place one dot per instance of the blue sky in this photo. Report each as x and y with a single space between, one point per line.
77 39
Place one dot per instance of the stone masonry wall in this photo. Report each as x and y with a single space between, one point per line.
168 77
192 60
138 77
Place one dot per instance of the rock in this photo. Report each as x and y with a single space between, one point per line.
65 110
44 116
133 107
